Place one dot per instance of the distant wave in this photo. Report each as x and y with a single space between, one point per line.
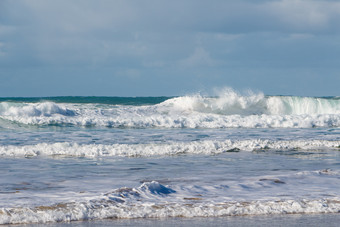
227 110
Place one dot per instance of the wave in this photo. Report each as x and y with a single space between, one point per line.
154 200
228 110
142 118
45 109
230 102
141 150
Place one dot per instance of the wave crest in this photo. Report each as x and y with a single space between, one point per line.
230 102
45 109
229 109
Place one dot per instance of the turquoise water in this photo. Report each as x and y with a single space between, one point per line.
138 101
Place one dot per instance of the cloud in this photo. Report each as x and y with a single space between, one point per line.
108 17
110 32
2 52
200 57
154 38
6 30
300 36
305 15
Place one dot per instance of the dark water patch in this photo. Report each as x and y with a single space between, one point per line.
233 150
276 181
137 168
161 181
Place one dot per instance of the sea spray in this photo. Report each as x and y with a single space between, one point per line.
229 109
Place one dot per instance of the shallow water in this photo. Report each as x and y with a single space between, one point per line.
330 220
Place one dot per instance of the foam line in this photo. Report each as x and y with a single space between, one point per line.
135 150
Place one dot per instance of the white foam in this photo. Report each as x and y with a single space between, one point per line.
143 119
230 102
229 110
134 150
153 200
45 109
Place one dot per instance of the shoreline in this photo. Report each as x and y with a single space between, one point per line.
330 220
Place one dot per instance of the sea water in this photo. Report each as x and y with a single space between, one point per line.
91 158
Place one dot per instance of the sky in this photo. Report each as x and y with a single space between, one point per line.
168 48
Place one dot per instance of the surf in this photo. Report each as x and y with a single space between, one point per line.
206 147
155 200
230 102
228 109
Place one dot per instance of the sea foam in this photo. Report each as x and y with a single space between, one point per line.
45 109
208 147
228 110
154 200
230 102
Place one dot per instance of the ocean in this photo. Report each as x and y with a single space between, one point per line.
195 157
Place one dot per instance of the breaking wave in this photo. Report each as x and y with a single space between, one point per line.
228 110
45 109
141 150
154 200
230 102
